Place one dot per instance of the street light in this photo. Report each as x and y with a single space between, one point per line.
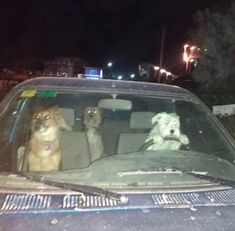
168 73
185 54
108 72
110 64
163 71
190 55
132 76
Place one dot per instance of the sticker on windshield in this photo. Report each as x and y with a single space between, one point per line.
28 93
47 93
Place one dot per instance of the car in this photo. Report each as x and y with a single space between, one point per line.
115 155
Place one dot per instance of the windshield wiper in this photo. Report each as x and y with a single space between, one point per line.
169 170
151 171
91 190
214 179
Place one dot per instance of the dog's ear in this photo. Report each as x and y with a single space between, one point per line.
174 115
85 115
60 120
157 117
100 111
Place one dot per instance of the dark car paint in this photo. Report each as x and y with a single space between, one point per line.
140 214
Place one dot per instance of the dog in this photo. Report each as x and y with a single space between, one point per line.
43 151
92 121
166 134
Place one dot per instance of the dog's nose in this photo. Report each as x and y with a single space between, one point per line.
37 125
90 114
172 131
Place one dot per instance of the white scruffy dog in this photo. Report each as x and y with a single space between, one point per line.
165 134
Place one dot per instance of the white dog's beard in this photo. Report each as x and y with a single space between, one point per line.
169 130
171 133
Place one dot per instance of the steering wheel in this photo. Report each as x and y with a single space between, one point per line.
146 145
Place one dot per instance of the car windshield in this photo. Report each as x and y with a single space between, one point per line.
112 139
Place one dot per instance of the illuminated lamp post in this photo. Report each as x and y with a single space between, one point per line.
110 64
156 72
186 57
190 55
108 69
132 76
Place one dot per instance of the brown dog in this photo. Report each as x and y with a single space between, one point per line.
92 120
43 151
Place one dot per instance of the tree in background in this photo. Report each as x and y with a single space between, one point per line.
215 70
215 35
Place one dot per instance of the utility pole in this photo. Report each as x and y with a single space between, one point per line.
161 52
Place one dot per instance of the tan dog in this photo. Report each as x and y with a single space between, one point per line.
43 151
92 120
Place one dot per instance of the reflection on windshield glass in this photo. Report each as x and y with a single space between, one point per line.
102 136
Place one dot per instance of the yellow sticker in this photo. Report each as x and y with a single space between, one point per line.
28 93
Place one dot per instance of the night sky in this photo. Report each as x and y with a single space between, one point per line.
127 32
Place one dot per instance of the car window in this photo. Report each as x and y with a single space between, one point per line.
99 136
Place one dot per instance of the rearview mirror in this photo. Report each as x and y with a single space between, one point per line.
115 104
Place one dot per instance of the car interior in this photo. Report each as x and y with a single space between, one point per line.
126 122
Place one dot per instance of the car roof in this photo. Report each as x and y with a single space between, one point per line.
102 84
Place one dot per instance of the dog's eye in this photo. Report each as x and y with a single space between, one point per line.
37 117
47 117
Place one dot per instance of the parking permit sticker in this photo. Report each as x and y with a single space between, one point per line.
47 93
28 93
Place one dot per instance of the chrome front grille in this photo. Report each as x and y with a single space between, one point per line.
219 197
34 202
26 202
14 202
75 201
176 199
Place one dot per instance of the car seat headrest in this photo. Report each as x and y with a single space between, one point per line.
68 115
141 120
